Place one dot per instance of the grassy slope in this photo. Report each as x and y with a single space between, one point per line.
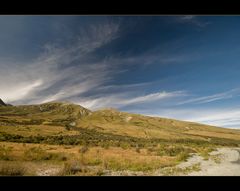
135 125
115 140
52 119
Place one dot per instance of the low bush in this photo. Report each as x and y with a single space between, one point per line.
182 156
12 170
38 154
84 149
173 150
72 168
5 152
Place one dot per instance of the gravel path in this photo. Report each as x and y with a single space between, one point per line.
228 165
48 172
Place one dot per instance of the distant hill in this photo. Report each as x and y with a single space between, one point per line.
112 121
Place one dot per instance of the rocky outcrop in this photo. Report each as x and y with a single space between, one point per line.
2 103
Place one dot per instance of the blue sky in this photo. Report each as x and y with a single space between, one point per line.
183 67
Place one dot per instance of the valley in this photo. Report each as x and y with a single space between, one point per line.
61 139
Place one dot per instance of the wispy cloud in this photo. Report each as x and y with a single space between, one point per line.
19 91
68 72
206 99
154 97
187 17
192 19
53 76
223 117
125 99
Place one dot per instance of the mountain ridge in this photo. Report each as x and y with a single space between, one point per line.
111 120
106 110
107 139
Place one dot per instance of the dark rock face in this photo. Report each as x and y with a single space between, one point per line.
2 103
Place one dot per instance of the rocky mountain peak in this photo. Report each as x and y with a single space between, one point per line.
2 103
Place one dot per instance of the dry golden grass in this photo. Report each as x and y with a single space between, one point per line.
134 125
146 154
43 130
113 158
227 135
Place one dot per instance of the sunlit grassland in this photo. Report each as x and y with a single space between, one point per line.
37 157
67 139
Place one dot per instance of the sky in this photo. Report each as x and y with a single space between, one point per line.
184 67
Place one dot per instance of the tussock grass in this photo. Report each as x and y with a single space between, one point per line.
72 168
5 152
38 154
13 169
85 142
181 171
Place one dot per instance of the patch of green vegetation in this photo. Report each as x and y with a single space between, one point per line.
72 168
116 165
179 171
205 152
173 150
38 154
92 137
84 149
13 169
216 158
183 156
94 162
5 152
125 145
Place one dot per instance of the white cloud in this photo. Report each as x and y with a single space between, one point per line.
221 117
153 97
191 19
206 99
187 17
52 76
20 91
60 79
124 99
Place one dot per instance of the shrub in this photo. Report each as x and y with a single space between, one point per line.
37 153
71 168
4 152
12 170
173 150
105 145
138 149
100 172
58 156
68 127
124 145
183 156
150 150
84 149
94 162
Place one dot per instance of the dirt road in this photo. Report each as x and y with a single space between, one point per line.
223 162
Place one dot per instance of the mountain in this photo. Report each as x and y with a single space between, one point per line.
78 141
112 121
2 103
136 125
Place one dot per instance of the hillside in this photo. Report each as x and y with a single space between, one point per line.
126 141
109 121
2 103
